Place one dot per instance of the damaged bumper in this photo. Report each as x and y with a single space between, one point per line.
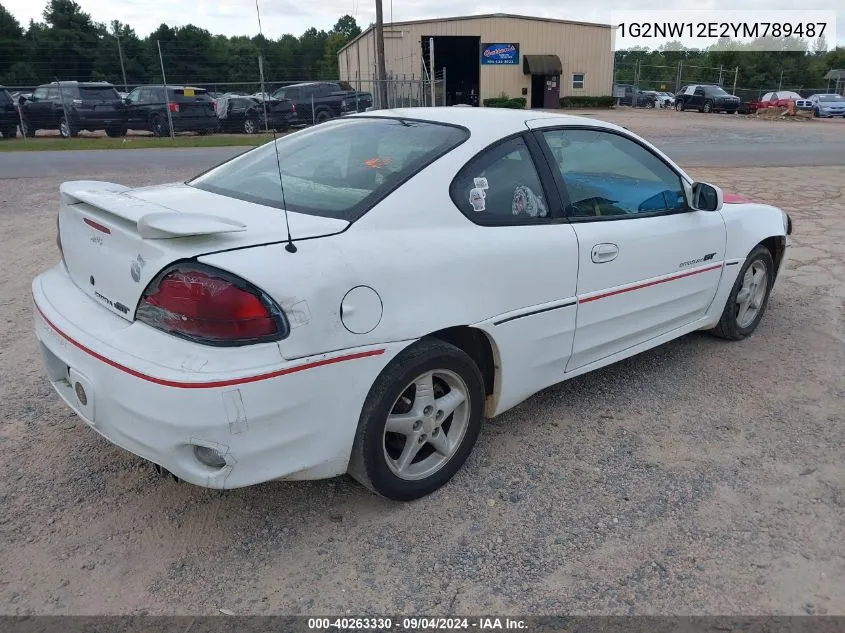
214 417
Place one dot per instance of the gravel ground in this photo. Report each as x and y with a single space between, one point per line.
702 477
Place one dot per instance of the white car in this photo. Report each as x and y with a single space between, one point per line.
413 272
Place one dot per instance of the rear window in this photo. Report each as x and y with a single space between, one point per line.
98 93
337 169
189 94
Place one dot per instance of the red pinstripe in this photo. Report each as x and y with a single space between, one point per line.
648 284
214 383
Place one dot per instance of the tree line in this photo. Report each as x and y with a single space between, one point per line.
796 65
68 45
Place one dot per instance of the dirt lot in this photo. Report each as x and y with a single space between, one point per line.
699 478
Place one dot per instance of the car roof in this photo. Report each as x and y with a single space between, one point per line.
486 124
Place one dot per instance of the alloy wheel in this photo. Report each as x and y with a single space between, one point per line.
752 294
426 425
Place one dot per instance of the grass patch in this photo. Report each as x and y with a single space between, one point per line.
52 143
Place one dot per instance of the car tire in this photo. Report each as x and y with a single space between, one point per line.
752 288
816 113
250 125
322 116
649 105
26 129
679 106
407 463
158 127
707 108
116 132
66 130
9 133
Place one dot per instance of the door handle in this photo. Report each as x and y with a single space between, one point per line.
604 253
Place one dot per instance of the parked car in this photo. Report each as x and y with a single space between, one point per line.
272 318
828 105
191 110
245 114
72 106
665 99
779 99
637 98
320 101
706 98
9 120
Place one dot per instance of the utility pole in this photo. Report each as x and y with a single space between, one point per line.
381 72
166 92
122 69
736 76
780 83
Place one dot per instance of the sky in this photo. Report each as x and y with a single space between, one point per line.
237 17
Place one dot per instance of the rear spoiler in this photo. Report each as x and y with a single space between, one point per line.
151 220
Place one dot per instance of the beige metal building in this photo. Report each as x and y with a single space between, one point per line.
487 55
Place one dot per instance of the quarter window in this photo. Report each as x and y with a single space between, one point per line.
607 175
577 81
501 186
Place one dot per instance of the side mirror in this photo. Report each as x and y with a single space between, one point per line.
706 197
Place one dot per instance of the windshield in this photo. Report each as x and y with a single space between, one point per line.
98 93
831 98
336 169
718 91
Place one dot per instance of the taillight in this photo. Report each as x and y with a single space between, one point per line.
293 107
174 107
209 306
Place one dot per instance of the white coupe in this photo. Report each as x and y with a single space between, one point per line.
357 297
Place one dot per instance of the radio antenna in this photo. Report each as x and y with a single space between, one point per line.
290 247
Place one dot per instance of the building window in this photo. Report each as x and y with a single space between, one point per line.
578 81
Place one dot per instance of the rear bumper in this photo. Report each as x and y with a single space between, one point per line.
193 124
98 122
152 394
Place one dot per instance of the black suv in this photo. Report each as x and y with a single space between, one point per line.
636 97
8 115
71 106
246 114
191 110
706 98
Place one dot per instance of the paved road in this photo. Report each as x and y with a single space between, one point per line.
737 151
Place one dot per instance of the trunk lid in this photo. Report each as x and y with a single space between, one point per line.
115 240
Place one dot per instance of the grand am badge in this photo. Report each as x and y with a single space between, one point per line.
700 260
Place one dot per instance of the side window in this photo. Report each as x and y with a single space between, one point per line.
40 94
699 92
52 94
500 186
292 93
606 174
134 96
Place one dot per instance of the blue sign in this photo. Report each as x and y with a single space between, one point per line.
500 53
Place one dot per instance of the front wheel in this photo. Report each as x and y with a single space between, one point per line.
749 297
323 115
419 423
708 107
679 106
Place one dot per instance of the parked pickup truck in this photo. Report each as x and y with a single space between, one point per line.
319 101
778 99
